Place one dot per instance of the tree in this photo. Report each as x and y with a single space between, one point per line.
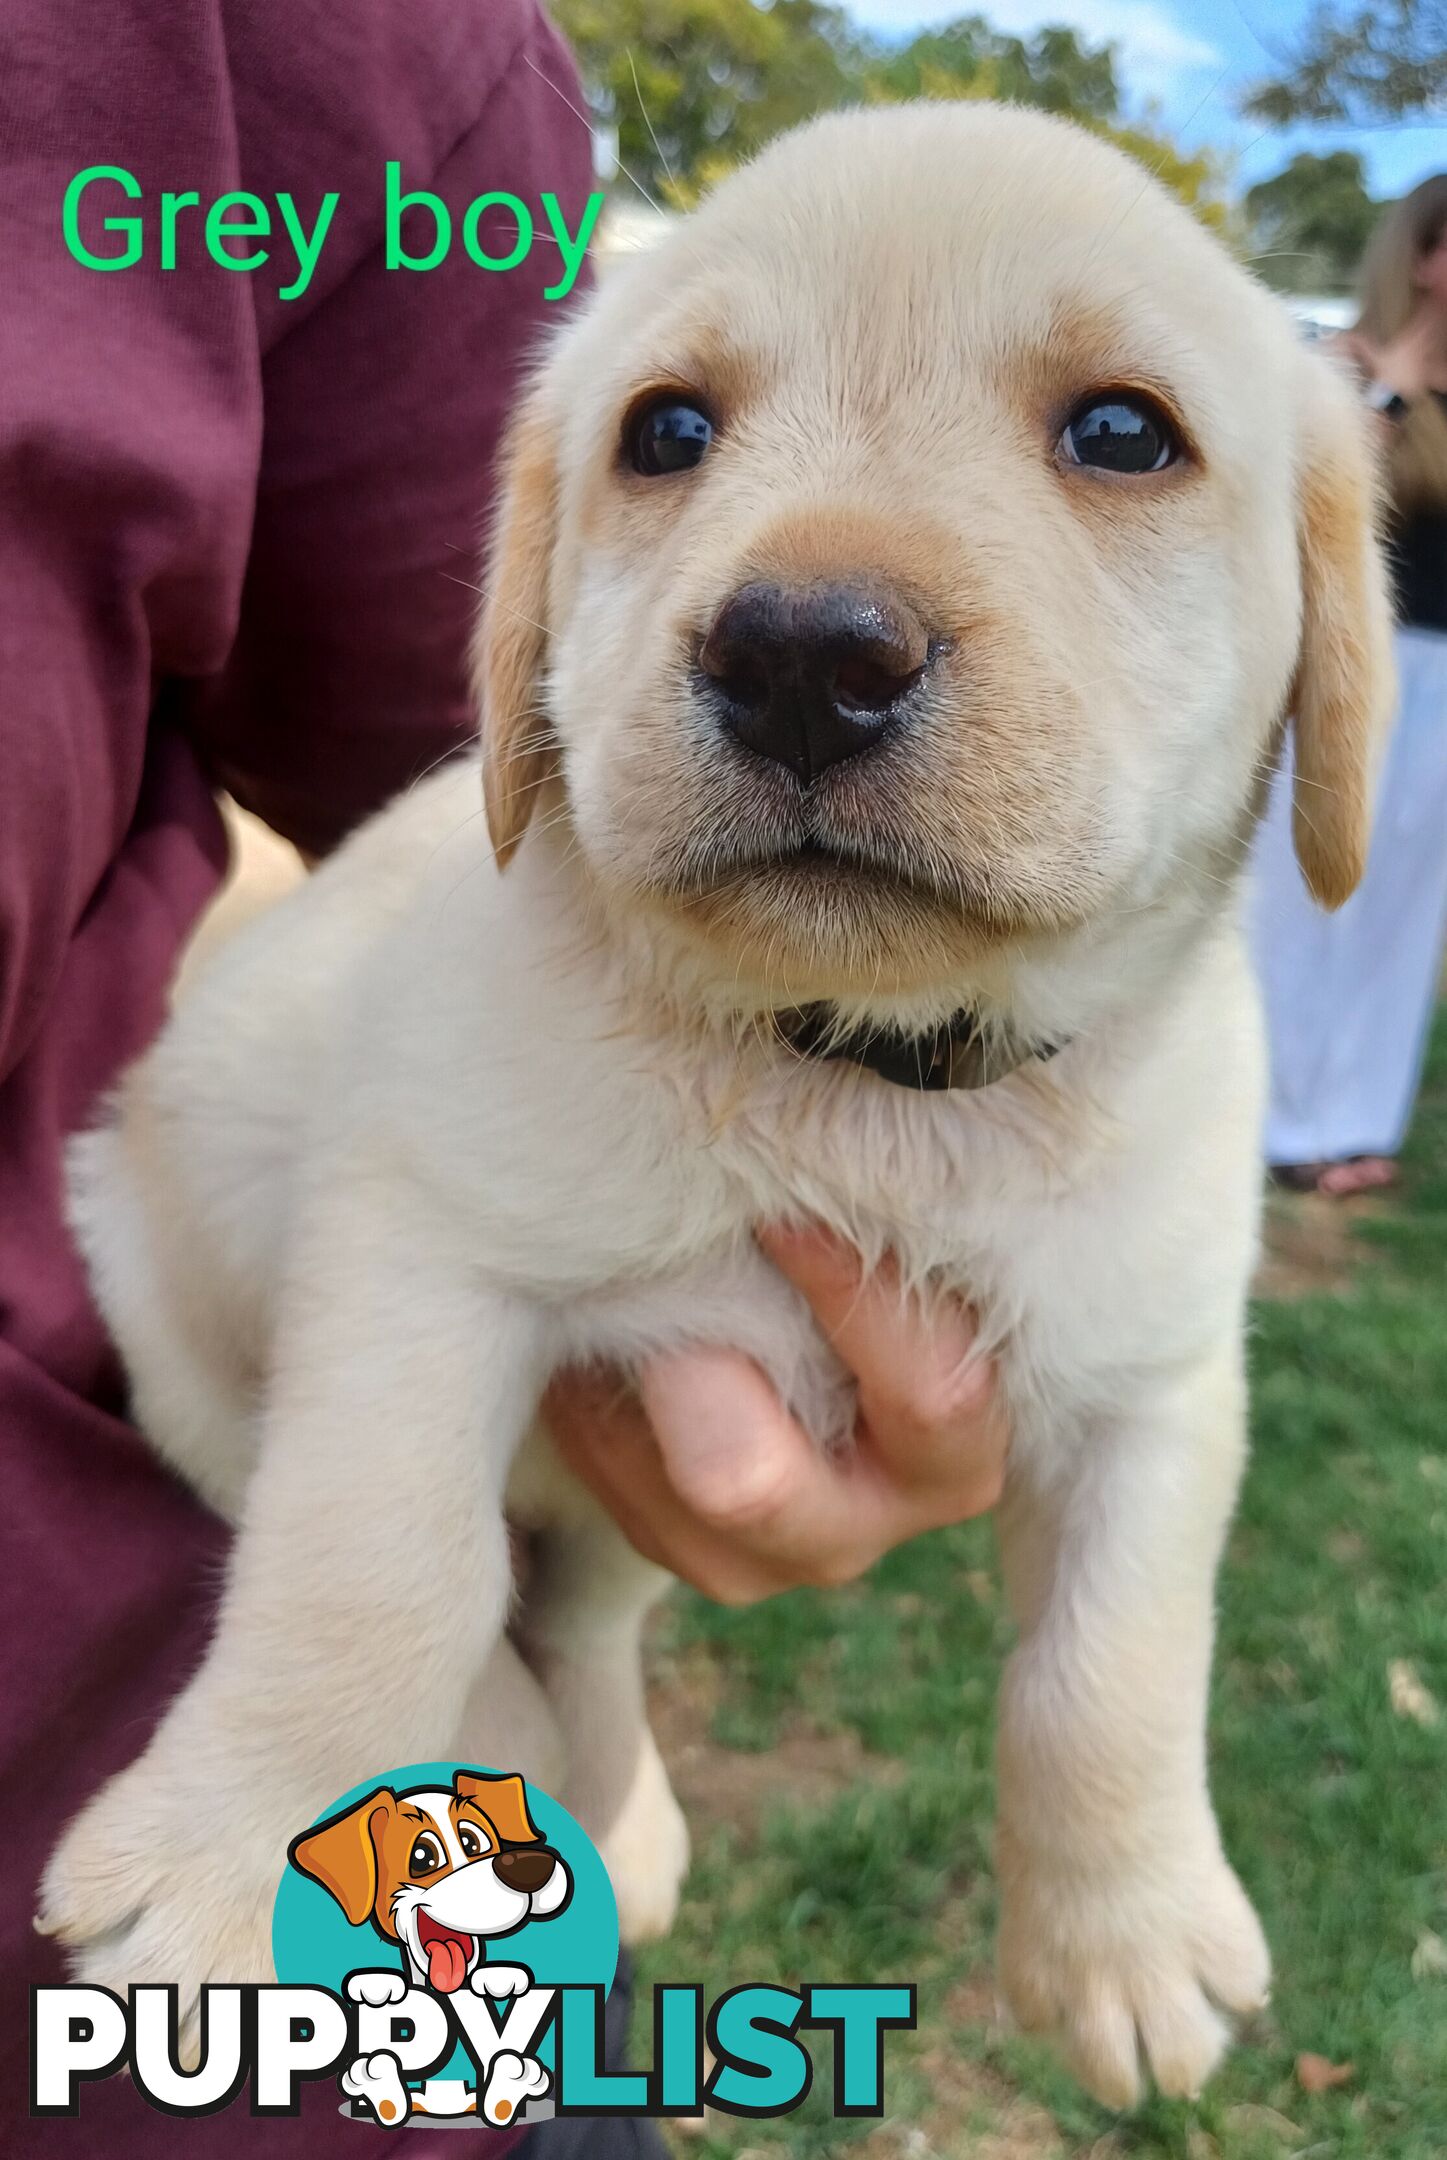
1052 69
696 86
1056 72
1196 178
1313 221
1361 64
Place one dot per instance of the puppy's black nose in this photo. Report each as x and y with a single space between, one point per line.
524 1868
812 676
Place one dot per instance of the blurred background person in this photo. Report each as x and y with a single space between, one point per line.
1349 997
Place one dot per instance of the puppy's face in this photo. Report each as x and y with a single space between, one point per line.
908 568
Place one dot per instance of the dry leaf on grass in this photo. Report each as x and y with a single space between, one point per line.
1410 1695
1315 2074
1429 1959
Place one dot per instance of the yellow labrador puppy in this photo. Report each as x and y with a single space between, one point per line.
903 582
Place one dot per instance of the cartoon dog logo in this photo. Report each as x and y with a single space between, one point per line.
440 1874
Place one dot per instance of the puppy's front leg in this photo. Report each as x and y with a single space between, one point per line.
1123 1928
369 1580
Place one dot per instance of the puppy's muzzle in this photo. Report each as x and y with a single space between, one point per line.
808 677
525 1869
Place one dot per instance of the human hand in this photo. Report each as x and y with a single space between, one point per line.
708 1474
1406 363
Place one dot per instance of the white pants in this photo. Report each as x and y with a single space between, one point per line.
1349 997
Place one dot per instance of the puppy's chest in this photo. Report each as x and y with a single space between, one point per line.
944 1183
1012 1199
1019 1199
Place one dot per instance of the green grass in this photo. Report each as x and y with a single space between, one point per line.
1334 1806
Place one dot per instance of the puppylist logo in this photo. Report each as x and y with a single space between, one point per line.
441 1872
444 1939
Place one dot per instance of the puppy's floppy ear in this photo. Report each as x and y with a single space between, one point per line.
511 649
342 1854
1344 688
504 1801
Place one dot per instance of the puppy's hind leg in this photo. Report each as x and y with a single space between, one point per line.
581 1630
509 1724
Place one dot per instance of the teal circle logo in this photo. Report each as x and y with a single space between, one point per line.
445 1887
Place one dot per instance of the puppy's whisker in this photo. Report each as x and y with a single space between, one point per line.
494 600
1153 172
458 750
558 92
648 123
466 584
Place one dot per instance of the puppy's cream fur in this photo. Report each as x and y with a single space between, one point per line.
431 1128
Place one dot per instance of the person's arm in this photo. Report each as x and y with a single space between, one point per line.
384 405
130 429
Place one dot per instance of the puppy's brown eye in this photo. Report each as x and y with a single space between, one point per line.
667 435
1118 434
470 1840
425 1857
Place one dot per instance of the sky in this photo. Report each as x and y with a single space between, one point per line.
1195 58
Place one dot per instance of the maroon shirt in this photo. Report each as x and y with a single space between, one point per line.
232 530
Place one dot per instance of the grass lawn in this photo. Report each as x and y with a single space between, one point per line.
834 1754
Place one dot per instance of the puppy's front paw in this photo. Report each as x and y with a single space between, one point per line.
151 1884
1132 1965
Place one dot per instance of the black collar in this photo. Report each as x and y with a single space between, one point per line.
957 1054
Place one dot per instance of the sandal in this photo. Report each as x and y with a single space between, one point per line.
1336 1180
